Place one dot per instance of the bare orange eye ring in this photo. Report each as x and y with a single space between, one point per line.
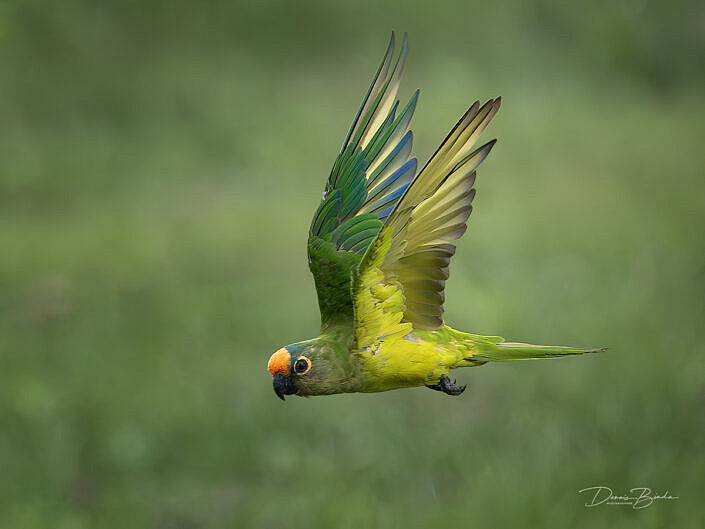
302 365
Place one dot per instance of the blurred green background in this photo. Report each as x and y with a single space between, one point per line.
159 166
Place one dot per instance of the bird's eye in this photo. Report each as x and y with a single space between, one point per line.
302 365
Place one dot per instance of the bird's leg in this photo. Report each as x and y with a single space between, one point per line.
447 387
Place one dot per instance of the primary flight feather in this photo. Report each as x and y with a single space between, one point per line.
379 248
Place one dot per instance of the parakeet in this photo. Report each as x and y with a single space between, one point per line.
379 247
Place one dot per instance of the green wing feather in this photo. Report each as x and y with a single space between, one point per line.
369 177
400 282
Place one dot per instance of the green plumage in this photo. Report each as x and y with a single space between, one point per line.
331 270
379 248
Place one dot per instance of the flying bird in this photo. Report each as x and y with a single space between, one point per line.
379 247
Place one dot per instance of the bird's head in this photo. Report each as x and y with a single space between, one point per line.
306 368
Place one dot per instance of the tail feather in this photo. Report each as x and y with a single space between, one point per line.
509 351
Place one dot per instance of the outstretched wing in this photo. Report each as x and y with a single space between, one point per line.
400 282
371 173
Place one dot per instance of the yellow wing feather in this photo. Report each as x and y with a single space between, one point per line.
379 301
413 250
393 353
399 286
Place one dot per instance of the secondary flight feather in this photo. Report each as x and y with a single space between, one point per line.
379 248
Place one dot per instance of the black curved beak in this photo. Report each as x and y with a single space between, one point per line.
283 386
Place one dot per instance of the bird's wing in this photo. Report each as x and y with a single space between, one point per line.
371 173
399 286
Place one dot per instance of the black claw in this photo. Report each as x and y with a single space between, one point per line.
447 387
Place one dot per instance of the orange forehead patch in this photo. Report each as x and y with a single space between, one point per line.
279 362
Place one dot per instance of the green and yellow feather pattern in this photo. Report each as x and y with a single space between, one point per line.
379 248
372 171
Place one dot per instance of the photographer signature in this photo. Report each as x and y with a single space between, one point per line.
638 497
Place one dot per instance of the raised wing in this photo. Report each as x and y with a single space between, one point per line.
371 173
401 279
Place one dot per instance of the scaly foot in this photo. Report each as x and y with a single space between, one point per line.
448 387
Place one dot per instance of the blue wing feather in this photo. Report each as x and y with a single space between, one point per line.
373 168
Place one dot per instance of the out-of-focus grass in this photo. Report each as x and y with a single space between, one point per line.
159 164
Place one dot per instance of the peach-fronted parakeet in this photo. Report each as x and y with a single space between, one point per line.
379 248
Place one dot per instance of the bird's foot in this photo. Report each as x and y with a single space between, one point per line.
448 387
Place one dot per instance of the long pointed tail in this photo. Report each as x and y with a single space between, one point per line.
508 351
